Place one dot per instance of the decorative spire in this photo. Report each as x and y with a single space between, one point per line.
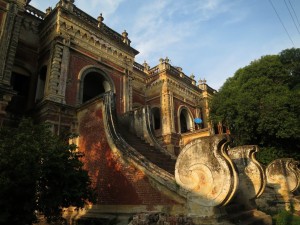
192 76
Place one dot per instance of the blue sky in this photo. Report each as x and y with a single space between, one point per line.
208 38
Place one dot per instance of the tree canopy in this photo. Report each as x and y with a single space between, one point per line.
261 104
39 172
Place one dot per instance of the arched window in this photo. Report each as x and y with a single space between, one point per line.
20 83
41 84
185 121
156 118
94 84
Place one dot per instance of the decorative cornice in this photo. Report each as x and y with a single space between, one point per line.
34 12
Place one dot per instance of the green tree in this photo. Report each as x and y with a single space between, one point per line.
39 172
261 105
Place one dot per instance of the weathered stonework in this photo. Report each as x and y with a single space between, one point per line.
57 76
205 171
252 179
9 41
283 177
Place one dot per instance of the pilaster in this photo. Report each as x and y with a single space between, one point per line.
167 109
58 72
9 41
127 91
130 93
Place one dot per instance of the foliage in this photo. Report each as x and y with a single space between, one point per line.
39 172
286 218
261 104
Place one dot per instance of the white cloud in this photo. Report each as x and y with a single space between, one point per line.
164 24
153 32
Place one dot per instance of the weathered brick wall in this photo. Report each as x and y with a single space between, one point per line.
116 183
77 63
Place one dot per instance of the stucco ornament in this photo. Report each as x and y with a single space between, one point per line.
252 177
205 171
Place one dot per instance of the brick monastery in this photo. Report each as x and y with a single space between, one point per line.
148 159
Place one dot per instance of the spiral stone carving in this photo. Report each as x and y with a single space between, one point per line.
205 171
251 174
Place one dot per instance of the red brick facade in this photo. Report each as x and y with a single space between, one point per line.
116 183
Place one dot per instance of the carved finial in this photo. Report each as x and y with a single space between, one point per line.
48 11
161 60
67 4
204 81
125 37
192 76
100 20
167 60
146 66
125 34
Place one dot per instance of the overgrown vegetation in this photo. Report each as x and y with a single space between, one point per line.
261 105
39 173
286 218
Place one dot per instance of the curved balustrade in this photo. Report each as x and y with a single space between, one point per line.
204 169
251 174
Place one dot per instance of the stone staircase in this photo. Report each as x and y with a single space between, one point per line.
150 159
155 156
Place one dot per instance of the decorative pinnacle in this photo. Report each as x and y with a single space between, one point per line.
100 18
48 10
146 65
202 81
125 34
192 76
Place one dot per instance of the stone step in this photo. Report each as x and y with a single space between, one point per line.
152 154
